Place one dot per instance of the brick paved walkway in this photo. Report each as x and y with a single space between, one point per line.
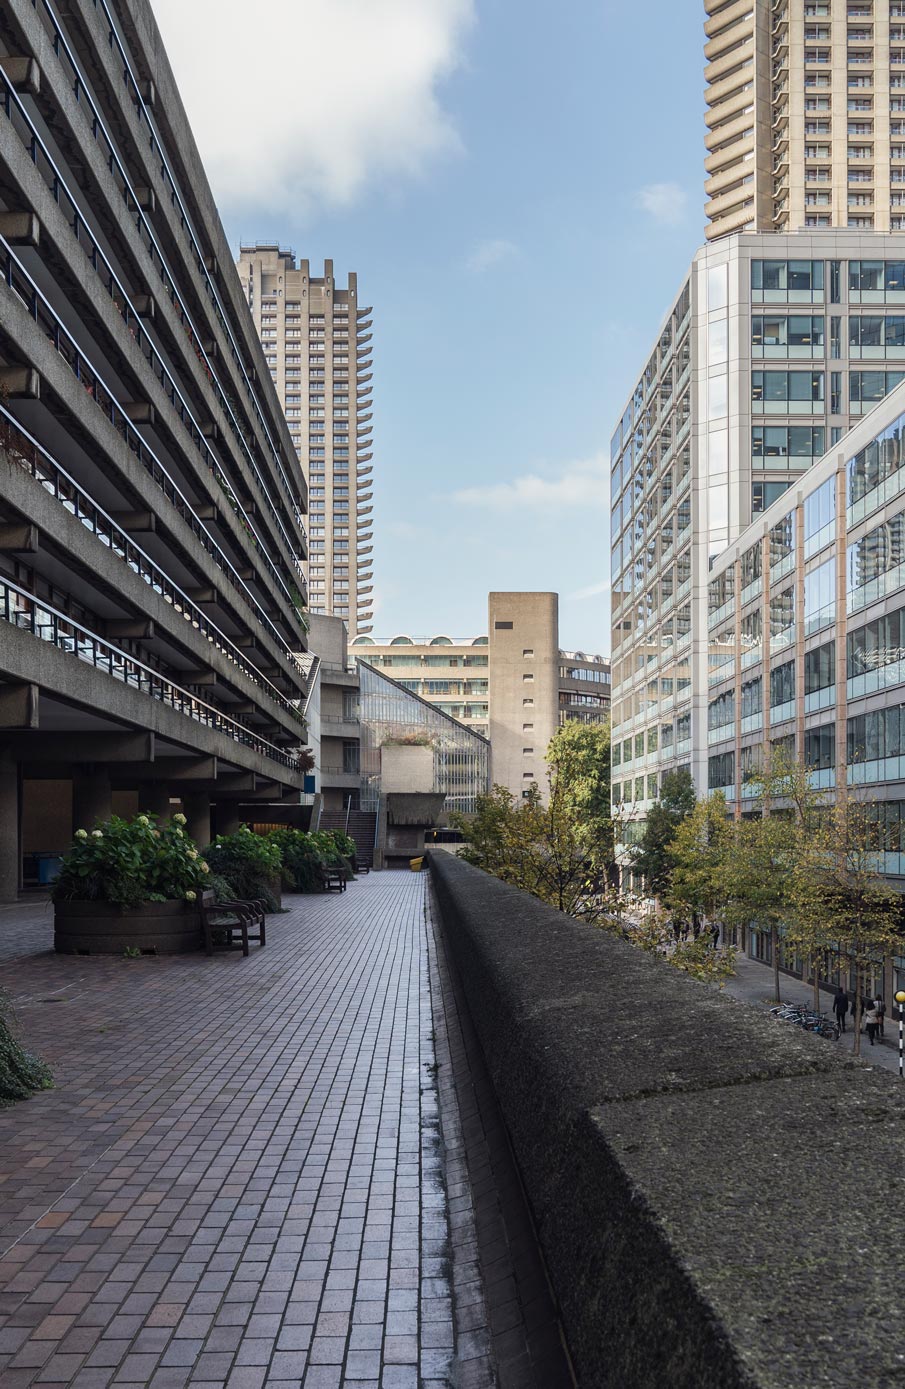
238 1179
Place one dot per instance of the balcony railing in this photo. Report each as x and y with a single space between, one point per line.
38 463
117 293
21 283
21 609
99 131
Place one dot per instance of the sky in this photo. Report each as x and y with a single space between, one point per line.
519 186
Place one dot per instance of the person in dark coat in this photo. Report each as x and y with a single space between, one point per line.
880 1009
840 1007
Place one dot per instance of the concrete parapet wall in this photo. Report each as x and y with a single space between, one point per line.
716 1193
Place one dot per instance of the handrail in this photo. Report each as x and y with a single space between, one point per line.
82 92
34 459
57 185
23 610
12 270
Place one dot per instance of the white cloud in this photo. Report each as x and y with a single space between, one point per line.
592 591
582 484
490 253
309 104
665 202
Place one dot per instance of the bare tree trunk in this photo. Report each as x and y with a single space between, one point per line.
816 968
774 946
857 1047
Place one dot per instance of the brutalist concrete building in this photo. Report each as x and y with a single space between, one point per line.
151 499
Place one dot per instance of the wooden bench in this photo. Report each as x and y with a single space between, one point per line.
332 879
238 923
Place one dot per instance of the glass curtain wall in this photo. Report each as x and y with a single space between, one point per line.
393 715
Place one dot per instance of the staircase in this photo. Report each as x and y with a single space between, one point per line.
362 827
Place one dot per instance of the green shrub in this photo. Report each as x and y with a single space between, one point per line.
250 863
21 1074
130 862
304 854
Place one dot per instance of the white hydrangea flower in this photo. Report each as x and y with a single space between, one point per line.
190 896
97 834
143 820
179 819
81 834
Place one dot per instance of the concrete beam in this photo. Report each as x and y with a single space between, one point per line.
19 539
21 383
140 630
20 228
139 411
137 522
171 770
39 749
23 73
18 706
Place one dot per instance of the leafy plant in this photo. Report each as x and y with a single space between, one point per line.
131 862
251 864
303 855
21 1074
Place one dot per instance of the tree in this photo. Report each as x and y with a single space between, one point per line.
698 855
578 762
756 873
650 856
541 848
840 901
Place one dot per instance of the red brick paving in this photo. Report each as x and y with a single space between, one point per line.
237 1180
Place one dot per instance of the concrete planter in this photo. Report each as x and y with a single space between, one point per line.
102 928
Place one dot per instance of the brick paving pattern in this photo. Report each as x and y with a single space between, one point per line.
238 1179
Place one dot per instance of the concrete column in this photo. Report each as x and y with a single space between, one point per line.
197 806
154 799
10 858
92 800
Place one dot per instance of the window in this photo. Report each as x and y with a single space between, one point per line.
752 697
820 747
876 464
782 685
781 335
787 392
868 387
502 626
528 703
820 668
874 562
788 442
721 712
527 677
721 771
820 596
527 652
779 280
819 517
876 277
527 727
764 494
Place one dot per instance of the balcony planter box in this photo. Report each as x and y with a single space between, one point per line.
103 928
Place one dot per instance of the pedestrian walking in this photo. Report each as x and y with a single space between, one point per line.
880 1008
715 934
871 1021
840 1007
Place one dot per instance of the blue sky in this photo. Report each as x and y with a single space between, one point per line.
519 210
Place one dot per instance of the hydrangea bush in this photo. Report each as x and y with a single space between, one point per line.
131 862
250 863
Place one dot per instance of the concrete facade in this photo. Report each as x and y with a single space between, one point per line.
458 676
524 674
318 347
806 115
151 499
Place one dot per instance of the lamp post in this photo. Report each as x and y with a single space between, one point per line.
900 999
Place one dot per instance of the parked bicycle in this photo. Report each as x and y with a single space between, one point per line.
802 1016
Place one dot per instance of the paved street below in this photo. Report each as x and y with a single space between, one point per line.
753 983
239 1177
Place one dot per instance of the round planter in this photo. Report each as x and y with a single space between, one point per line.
101 928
